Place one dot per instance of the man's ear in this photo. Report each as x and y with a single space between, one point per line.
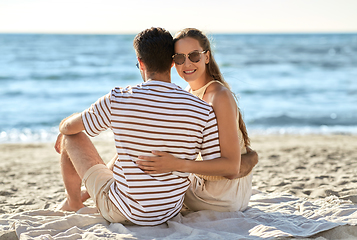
141 64
173 63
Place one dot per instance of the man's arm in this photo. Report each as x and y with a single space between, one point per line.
248 161
72 124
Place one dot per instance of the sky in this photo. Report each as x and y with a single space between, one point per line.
215 16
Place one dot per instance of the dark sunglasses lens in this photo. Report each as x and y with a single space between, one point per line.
194 56
179 59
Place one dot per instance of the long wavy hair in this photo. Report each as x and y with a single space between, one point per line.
212 69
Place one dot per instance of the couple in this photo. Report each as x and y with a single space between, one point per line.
142 185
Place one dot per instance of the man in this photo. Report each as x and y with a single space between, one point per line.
156 115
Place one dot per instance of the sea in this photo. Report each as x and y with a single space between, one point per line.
285 83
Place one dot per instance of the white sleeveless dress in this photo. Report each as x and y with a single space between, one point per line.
215 192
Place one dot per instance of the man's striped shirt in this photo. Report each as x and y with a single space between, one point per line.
153 116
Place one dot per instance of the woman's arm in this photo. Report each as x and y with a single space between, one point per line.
165 162
229 163
225 108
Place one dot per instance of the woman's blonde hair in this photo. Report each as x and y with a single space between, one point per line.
212 68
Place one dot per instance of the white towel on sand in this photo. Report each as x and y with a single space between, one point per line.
268 216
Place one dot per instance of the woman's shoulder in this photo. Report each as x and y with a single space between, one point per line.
221 99
219 93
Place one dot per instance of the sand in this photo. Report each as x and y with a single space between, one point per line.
311 166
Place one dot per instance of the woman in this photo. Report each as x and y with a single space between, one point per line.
230 188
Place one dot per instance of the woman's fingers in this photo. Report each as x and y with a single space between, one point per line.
159 153
148 158
161 163
144 163
150 172
147 168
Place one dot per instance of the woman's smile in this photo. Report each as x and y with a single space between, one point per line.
189 71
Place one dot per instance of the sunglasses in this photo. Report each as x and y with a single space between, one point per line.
194 56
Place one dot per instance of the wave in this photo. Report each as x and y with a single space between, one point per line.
49 134
321 130
27 135
285 120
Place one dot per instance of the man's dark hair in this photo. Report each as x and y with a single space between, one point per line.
155 48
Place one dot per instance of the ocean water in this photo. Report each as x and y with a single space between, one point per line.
285 83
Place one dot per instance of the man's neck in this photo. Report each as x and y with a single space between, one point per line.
163 77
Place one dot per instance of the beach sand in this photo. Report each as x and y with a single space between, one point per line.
311 166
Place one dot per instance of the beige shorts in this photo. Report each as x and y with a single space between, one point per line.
98 180
222 195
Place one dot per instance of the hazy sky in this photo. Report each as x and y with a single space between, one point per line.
132 16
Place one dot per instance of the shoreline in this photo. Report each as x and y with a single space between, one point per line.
308 166
27 136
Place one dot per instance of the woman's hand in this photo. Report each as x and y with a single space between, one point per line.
58 146
161 163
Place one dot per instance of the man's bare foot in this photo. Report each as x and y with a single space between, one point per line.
65 206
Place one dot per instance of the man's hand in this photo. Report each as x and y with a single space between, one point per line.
254 156
249 160
58 144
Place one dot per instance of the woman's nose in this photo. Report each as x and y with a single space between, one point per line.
187 61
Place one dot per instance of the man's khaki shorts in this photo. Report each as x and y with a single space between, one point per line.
98 180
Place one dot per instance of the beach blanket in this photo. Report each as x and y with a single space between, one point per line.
269 215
